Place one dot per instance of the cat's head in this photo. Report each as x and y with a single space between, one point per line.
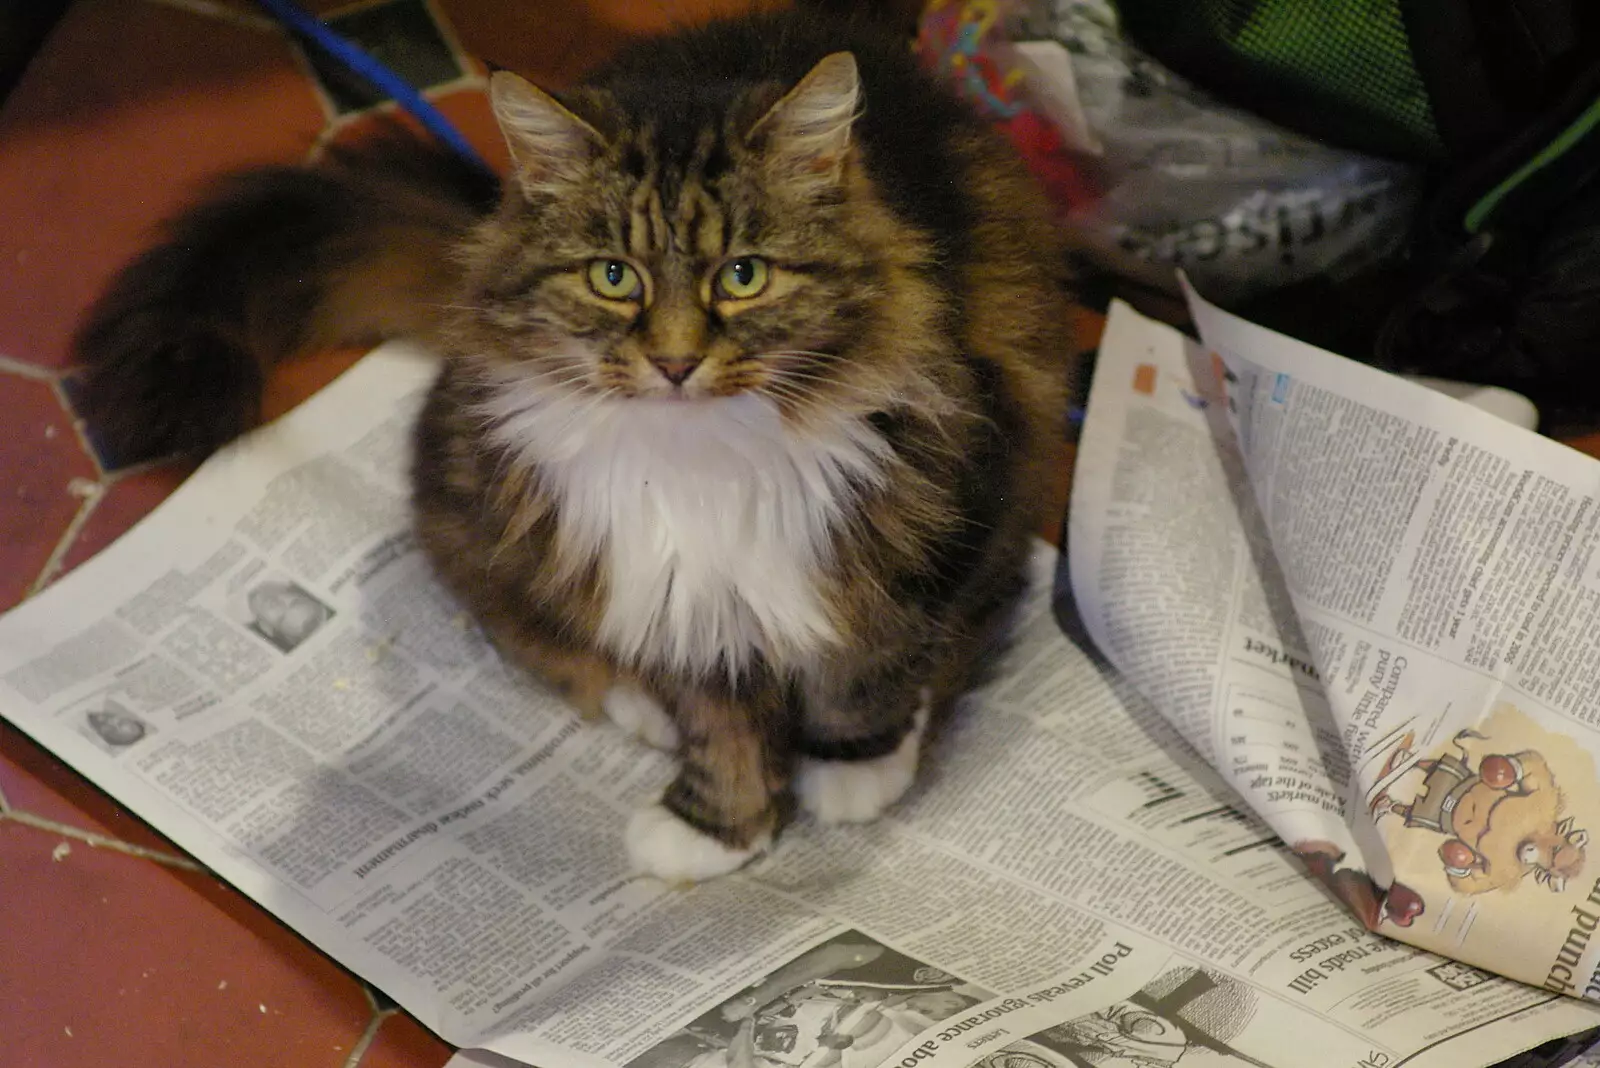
729 245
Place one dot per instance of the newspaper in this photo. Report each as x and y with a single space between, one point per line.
1410 649
265 671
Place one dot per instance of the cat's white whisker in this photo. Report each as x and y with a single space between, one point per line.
796 375
792 352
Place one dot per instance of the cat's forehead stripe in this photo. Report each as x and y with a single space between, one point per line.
639 241
671 205
710 228
659 233
705 225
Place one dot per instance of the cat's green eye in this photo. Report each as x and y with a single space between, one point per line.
615 280
742 278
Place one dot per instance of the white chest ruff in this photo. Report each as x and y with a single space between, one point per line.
713 519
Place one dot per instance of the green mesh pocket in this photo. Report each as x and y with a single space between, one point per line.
1337 69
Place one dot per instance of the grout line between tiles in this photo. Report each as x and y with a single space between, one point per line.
24 369
452 41
385 109
116 475
352 8
467 81
76 422
52 566
221 12
100 841
359 1050
302 62
330 130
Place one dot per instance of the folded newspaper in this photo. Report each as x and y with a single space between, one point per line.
1337 621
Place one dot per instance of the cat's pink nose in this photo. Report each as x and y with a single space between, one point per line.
676 369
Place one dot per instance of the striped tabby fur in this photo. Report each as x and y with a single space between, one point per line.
772 528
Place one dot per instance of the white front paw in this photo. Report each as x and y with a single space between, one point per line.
662 845
641 715
858 791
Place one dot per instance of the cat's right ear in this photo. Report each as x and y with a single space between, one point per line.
808 130
550 146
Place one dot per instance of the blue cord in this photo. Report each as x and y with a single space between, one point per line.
313 29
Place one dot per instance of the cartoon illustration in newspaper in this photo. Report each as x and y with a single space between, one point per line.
1472 815
847 1003
1186 1017
1498 805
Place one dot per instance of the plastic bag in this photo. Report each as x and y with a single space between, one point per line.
1149 172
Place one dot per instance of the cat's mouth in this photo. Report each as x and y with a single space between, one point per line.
679 393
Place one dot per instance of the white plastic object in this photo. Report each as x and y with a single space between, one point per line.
1514 408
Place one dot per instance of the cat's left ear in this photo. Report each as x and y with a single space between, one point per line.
809 128
550 146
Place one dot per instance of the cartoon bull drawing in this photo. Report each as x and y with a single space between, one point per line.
1505 819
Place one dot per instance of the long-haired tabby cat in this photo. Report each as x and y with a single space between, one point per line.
751 385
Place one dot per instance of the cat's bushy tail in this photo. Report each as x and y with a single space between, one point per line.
268 263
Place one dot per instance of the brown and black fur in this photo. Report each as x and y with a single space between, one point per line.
923 282
269 263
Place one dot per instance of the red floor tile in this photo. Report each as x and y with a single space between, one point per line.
109 959
1087 327
551 43
35 782
126 501
636 19
39 457
467 109
1058 493
401 1042
127 108
1588 443
555 38
291 383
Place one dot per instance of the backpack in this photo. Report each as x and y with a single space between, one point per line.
1500 101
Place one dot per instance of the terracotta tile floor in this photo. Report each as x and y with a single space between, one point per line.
114 948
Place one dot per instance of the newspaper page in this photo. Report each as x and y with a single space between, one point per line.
1174 579
266 672
1442 565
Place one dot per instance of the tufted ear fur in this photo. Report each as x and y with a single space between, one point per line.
807 132
550 146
